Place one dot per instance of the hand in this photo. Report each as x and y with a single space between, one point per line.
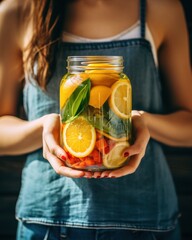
135 151
53 152
57 156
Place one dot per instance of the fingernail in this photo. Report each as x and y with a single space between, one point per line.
63 157
126 154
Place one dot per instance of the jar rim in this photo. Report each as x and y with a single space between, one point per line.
97 57
80 63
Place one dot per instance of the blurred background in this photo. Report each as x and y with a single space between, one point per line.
179 160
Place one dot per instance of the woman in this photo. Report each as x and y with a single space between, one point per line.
56 201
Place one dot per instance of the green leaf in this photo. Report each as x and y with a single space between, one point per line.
77 102
108 122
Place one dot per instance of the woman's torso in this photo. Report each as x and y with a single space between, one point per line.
138 200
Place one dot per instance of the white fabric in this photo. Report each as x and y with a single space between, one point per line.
131 32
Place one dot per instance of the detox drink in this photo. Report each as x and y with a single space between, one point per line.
95 110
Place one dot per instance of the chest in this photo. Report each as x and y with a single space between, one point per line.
100 19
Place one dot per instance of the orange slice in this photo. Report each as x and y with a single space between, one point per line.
79 137
98 96
103 78
68 85
120 100
102 74
115 158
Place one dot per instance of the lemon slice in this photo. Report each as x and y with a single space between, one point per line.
79 137
115 158
120 100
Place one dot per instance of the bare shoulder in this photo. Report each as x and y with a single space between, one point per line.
166 7
166 16
11 10
13 14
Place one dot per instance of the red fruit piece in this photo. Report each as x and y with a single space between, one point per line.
101 144
96 155
89 161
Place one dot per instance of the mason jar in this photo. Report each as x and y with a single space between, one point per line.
95 110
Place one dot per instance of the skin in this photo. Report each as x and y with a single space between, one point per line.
171 40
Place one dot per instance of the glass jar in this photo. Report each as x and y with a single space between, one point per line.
95 110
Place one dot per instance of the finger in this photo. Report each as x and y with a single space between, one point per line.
61 169
105 174
130 168
58 165
140 143
139 125
53 146
88 174
96 175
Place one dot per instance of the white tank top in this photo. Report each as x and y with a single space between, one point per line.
131 32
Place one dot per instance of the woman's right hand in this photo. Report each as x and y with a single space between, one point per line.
53 152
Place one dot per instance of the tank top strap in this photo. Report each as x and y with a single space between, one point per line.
142 17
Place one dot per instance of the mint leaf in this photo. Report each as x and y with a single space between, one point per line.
77 102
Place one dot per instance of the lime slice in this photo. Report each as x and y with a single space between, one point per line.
115 158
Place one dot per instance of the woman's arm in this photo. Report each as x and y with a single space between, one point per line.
16 136
19 136
174 129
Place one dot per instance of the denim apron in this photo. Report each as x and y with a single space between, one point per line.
145 200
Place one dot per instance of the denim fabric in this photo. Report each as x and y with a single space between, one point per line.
145 200
43 232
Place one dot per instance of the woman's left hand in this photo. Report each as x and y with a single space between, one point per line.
135 152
